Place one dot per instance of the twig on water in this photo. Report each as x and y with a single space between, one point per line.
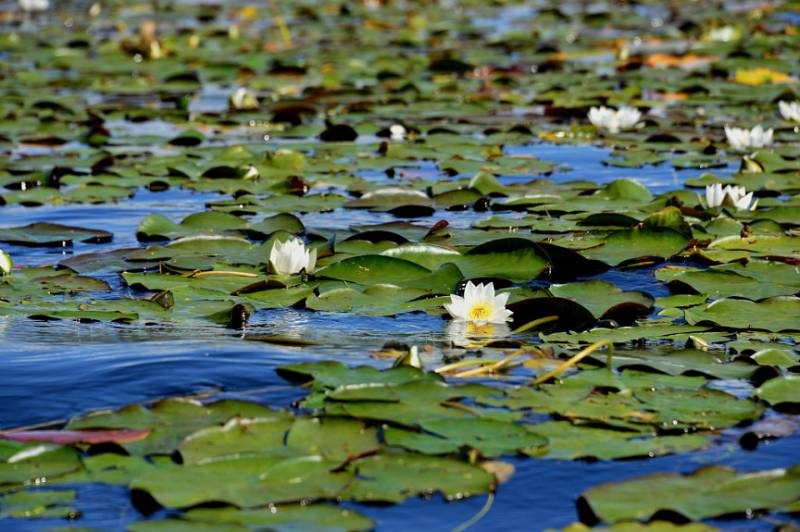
534 323
572 361
222 272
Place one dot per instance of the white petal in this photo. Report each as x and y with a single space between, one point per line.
501 299
501 316
5 262
457 307
312 260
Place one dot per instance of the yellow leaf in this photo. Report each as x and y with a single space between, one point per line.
687 62
248 12
760 76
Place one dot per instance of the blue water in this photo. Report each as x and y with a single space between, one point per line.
51 371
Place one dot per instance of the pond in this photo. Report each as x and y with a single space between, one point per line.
161 370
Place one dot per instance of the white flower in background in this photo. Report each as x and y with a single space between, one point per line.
614 121
290 257
742 139
243 100
715 196
790 111
723 34
397 132
34 5
391 191
5 263
479 305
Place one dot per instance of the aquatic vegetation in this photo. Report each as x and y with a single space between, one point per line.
536 202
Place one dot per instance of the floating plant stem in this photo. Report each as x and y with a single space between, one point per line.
572 361
223 272
534 323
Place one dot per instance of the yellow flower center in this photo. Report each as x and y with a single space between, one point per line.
479 312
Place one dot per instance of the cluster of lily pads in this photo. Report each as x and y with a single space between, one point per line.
373 159
369 436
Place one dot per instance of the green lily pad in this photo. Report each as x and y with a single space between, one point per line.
712 491
38 504
627 246
441 436
605 300
716 284
246 482
286 517
395 477
775 314
38 462
568 442
52 235
780 390
170 421
373 269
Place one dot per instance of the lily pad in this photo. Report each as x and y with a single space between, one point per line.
395 477
53 235
775 314
712 491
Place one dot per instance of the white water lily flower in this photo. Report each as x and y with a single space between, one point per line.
742 139
614 121
397 132
291 257
391 191
5 263
715 196
723 34
34 5
243 100
790 111
479 305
